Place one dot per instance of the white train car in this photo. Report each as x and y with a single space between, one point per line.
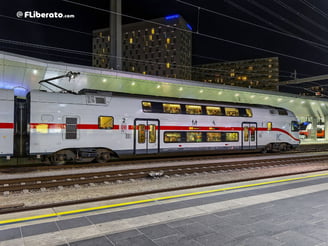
98 125
7 123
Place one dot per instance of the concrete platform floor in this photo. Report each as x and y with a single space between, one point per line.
285 211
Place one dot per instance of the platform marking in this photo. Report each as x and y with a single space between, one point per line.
47 216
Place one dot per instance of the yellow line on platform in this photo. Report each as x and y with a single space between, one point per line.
38 217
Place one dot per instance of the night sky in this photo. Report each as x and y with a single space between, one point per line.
305 20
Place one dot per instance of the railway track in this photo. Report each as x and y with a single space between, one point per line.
76 180
21 167
57 182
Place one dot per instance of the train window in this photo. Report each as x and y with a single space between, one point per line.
295 126
105 122
213 137
232 137
141 133
194 137
172 137
249 112
193 109
282 111
172 108
245 112
152 134
100 100
269 126
252 131
146 106
246 134
213 111
231 112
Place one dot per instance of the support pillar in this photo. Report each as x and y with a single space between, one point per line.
115 59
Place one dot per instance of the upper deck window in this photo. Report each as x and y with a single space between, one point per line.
231 112
213 110
171 108
146 106
193 109
249 112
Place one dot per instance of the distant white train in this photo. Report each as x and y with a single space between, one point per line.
97 125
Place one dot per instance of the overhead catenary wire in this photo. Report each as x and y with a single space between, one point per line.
206 35
281 32
281 18
315 9
88 53
304 17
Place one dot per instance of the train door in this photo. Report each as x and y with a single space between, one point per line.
146 136
249 135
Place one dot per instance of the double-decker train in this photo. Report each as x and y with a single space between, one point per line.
98 125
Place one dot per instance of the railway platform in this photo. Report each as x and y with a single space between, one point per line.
280 211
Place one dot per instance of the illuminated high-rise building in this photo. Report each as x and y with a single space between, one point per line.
160 47
260 73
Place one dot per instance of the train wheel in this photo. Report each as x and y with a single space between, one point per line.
282 147
60 157
103 155
57 159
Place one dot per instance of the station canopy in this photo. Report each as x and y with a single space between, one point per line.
23 73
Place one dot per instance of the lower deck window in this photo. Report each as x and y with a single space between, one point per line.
194 137
105 122
213 137
198 137
172 137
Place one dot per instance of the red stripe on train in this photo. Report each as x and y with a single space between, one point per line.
6 125
162 128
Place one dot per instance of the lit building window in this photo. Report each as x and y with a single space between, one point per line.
168 40
131 41
168 65
100 34
108 38
150 37
232 74
244 78
153 31
250 68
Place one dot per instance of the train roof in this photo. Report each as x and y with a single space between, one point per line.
160 98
